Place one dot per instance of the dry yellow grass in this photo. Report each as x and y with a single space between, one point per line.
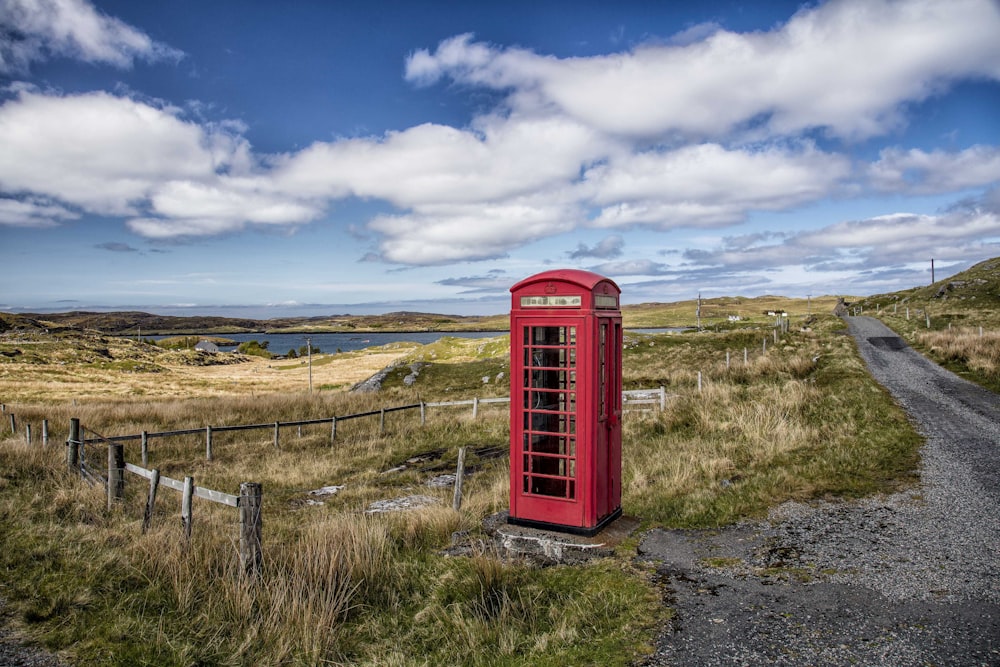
56 382
980 351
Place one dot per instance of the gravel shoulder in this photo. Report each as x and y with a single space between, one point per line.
16 651
911 578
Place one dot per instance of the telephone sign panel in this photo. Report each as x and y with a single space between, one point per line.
565 430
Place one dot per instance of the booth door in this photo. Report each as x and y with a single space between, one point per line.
549 442
608 416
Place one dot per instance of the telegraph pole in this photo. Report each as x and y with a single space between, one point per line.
309 352
932 271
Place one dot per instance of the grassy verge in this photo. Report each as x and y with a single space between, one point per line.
339 586
800 420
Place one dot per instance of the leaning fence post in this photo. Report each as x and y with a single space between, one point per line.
456 502
208 443
186 506
145 448
154 484
27 434
13 424
251 554
73 445
45 433
116 473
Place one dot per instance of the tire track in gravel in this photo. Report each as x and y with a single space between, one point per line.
907 579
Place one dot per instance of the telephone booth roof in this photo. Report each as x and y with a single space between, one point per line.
587 280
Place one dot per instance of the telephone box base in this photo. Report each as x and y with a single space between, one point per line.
572 530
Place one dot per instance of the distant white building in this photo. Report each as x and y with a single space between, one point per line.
206 346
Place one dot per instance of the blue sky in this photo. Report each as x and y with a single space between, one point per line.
267 159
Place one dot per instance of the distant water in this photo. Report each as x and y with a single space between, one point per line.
281 343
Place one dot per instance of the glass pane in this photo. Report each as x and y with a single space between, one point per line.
545 486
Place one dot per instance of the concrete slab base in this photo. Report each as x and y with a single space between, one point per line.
556 547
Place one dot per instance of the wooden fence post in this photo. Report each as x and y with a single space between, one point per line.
208 443
144 438
13 424
333 430
663 398
276 428
154 484
251 554
116 473
381 421
45 433
27 434
744 356
727 360
699 380
186 498
423 410
456 502
73 445
475 406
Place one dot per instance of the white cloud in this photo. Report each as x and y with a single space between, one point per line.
917 171
430 164
609 246
709 185
448 233
632 267
845 66
31 212
567 149
900 238
229 199
32 30
100 152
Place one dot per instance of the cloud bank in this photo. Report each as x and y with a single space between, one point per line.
698 132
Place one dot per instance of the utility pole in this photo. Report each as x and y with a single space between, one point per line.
309 352
932 271
698 311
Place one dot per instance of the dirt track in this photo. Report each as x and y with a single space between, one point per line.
907 579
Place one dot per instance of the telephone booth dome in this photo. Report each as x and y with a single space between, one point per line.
565 401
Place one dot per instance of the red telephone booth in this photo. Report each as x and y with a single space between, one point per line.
565 402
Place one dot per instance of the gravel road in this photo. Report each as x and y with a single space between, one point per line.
907 579
17 652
